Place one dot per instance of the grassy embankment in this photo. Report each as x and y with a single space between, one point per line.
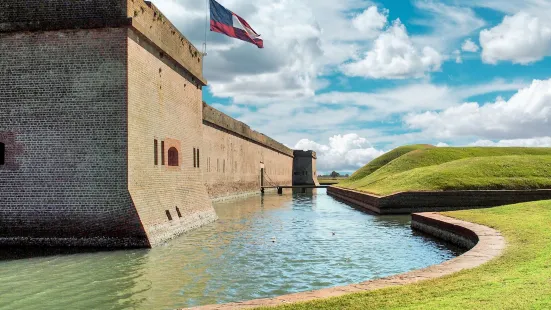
424 167
519 279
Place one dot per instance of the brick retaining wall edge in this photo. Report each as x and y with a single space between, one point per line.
410 202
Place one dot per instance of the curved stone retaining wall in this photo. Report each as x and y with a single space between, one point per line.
410 202
484 242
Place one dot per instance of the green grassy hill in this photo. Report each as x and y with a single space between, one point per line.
423 167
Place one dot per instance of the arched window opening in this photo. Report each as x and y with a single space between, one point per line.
2 153
173 157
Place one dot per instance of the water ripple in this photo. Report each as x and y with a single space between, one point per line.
260 247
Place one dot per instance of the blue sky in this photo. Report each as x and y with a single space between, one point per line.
352 79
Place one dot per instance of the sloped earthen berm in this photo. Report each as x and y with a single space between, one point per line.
484 243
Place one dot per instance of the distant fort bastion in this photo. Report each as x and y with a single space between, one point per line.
104 137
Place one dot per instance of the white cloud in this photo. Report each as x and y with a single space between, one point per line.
448 24
442 144
533 142
414 97
521 38
526 114
302 39
370 22
395 57
469 46
344 153
457 55
540 8
329 114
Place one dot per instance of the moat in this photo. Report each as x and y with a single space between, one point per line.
260 247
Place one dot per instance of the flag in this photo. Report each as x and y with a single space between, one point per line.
227 22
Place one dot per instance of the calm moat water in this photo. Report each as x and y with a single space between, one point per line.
260 247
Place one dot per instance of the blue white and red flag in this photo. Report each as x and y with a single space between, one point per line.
227 22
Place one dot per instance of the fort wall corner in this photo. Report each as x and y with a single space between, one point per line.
304 168
99 85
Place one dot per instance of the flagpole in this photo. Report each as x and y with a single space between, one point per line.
206 32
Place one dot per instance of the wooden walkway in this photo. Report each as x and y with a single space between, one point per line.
303 187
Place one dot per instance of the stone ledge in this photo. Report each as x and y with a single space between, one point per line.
429 201
217 119
489 245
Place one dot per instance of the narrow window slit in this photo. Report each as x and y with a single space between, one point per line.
2 154
162 153
156 152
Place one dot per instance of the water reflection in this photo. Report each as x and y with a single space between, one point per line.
260 247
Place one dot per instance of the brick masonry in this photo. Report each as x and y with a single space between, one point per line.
164 105
304 168
86 87
410 202
39 15
63 116
234 155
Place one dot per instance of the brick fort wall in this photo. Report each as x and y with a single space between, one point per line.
63 118
164 105
107 141
233 155
304 168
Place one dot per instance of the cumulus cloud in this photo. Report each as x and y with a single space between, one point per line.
469 46
533 142
521 38
344 153
394 56
370 22
526 114
301 38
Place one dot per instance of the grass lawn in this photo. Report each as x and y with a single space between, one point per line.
519 279
422 167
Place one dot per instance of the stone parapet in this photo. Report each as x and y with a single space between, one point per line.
307 154
150 21
17 15
219 120
143 16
